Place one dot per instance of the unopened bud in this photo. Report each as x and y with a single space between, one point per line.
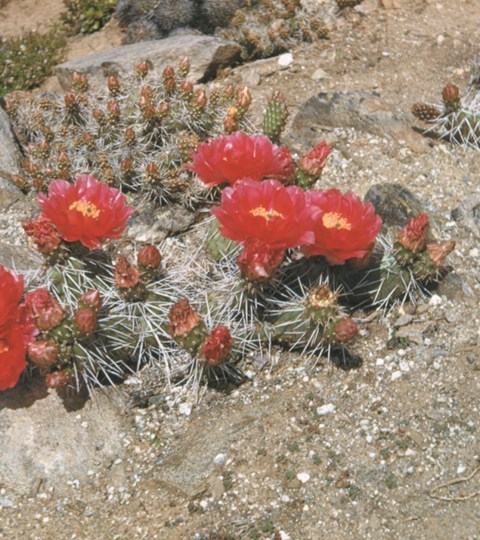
244 98
126 275
43 352
57 379
149 257
200 98
217 345
184 66
345 329
114 86
451 96
79 81
143 68
168 72
70 101
86 321
438 252
91 299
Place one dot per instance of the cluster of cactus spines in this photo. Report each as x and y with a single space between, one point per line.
275 117
270 27
458 118
136 135
404 266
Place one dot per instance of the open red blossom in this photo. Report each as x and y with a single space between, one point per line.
44 234
413 236
268 211
258 261
45 309
12 356
87 211
314 161
217 345
11 291
345 228
229 158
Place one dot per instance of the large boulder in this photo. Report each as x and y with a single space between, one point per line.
206 54
10 157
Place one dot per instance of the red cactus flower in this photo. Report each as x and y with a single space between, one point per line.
126 275
258 261
413 236
183 318
217 345
12 356
11 291
345 228
44 234
45 309
229 158
149 257
268 211
43 352
87 211
314 161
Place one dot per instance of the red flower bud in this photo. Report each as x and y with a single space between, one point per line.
313 162
143 68
43 352
183 318
200 98
451 95
44 234
217 345
57 379
413 236
149 256
79 81
70 100
345 329
113 85
86 321
185 65
258 261
91 299
168 72
244 98
126 275
439 252
46 310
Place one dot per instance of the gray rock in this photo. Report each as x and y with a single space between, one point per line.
42 442
365 111
396 205
19 258
206 54
152 224
468 214
10 157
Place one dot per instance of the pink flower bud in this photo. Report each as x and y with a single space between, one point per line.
150 257
43 352
45 309
126 275
438 252
217 345
413 236
91 299
313 162
57 379
86 321
183 318
345 329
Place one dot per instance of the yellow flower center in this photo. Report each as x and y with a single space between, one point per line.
88 209
335 220
261 211
3 346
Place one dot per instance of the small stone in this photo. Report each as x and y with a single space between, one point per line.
403 320
284 60
435 300
440 39
220 459
461 469
185 409
474 253
319 74
303 477
396 375
471 358
6 503
380 362
326 409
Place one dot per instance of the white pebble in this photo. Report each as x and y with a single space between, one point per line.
284 60
326 409
220 459
404 366
284 535
185 409
396 375
435 300
380 362
461 469
303 477
474 253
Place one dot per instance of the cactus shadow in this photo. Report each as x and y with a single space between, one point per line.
342 358
29 390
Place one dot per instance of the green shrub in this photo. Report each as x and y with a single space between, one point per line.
25 62
87 16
